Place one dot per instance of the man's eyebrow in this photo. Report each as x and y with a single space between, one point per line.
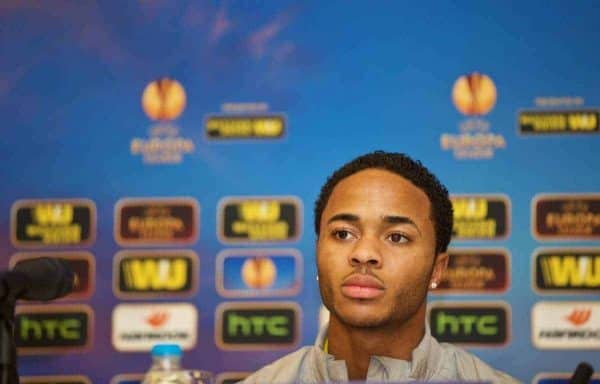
401 220
391 219
343 217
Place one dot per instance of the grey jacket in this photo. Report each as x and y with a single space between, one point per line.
430 361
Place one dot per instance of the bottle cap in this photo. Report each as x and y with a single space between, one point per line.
166 350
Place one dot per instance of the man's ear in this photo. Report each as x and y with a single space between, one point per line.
439 268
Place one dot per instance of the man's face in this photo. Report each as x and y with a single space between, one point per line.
376 250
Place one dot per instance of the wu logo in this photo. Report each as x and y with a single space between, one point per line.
569 270
53 214
155 273
470 208
583 121
265 211
256 219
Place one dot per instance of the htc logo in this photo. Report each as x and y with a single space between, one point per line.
485 325
257 325
47 329
249 326
469 324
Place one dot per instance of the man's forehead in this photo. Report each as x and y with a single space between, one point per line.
390 193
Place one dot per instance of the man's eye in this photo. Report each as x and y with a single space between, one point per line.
397 238
342 234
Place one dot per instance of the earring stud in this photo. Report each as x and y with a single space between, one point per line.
433 285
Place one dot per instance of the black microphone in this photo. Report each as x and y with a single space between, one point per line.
582 374
37 279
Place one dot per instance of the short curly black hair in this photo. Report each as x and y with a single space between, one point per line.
413 171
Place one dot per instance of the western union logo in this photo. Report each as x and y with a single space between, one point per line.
261 211
548 122
259 219
583 121
155 274
53 214
570 270
245 127
470 208
53 222
144 274
479 217
574 270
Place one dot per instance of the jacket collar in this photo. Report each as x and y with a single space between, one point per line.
426 358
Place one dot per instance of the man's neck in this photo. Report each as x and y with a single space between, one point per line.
356 345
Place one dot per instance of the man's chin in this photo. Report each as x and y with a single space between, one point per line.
358 320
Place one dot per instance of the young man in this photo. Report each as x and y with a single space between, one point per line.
383 225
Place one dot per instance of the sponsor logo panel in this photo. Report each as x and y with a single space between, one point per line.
485 217
259 219
227 127
45 223
542 122
566 270
566 325
257 325
566 216
83 265
52 329
475 324
154 274
475 271
58 379
560 378
259 272
138 327
231 377
156 221
128 378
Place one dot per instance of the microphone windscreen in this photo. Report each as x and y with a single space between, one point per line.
47 278
582 374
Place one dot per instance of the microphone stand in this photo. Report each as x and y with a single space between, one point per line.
8 350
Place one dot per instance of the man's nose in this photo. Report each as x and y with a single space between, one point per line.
367 252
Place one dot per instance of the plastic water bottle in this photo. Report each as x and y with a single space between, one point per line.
166 366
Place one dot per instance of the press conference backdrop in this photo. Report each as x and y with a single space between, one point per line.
172 153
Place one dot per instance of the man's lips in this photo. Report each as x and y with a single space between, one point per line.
362 287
